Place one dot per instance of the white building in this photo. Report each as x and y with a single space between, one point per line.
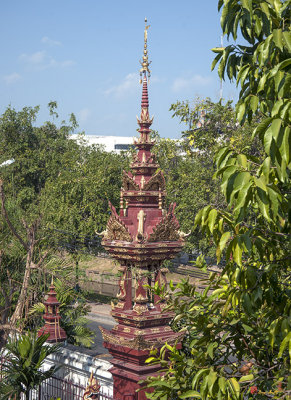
110 143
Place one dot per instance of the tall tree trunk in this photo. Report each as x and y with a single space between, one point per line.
29 247
17 315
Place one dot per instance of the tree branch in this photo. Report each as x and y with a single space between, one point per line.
5 215
36 266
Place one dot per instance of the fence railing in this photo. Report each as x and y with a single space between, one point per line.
56 387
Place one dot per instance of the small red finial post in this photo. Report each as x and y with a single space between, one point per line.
52 318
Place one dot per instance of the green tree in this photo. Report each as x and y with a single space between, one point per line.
24 357
26 243
54 197
77 199
75 203
238 329
189 164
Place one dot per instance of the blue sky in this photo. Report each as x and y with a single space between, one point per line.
85 55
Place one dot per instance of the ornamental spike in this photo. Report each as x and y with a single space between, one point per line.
145 61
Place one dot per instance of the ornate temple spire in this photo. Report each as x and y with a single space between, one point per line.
141 237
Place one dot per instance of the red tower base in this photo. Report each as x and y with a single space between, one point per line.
130 343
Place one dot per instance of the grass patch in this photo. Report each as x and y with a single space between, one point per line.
98 298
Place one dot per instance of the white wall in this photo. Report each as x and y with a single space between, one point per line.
77 367
109 142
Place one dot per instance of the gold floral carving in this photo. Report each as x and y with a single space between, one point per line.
128 183
140 308
116 230
140 298
167 229
138 343
156 182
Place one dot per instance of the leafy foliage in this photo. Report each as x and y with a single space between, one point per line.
238 341
76 200
24 358
189 163
58 184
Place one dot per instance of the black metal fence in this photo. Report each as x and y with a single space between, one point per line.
56 388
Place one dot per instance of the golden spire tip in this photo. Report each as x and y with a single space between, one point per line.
145 61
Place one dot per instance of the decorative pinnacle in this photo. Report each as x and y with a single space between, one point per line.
145 61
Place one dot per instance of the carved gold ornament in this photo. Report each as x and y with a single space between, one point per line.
92 390
167 229
156 182
139 343
128 183
116 230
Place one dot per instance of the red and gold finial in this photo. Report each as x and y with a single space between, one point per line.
145 121
145 61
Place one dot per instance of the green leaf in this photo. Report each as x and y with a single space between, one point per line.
242 198
222 384
263 203
284 344
198 375
210 349
284 64
254 103
218 49
221 155
247 303
241 111
212 219
150 359
261 183
242 160
266 168
265 8
242 72
223 240
285 146
215 61
190 393
260 129
211 379
245 378
247 5
268 140
277 36
262 83
274 198
237 252
275 127
287 40
234 385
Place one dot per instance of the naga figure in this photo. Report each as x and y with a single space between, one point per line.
93 389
